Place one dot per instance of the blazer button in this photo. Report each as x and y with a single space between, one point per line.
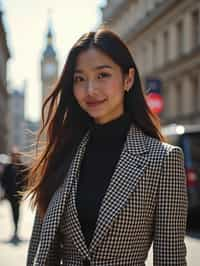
86 262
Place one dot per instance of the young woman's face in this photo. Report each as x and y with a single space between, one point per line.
99 86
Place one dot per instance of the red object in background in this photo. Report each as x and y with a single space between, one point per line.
155 102
191 178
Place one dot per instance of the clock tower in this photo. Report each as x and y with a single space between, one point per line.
49 65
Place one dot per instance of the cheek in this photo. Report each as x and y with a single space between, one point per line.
116 82
78 94
115 89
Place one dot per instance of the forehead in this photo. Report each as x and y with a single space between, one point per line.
92 58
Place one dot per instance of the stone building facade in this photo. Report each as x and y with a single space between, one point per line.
17 119
164 38
4 56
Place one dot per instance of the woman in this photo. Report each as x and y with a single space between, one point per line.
106 185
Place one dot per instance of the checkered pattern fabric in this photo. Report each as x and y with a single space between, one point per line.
145 203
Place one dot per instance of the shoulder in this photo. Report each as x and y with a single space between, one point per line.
168 156
161 146
166 160
156 148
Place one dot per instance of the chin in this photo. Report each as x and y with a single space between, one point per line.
95 116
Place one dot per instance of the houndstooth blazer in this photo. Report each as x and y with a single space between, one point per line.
145 203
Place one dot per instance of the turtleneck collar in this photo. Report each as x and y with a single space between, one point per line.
116 128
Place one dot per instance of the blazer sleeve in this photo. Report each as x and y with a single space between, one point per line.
171 212
56 249
34 241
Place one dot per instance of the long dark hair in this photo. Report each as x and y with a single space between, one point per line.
65 123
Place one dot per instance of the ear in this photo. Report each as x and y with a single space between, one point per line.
129 79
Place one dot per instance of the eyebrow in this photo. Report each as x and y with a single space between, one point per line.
95 68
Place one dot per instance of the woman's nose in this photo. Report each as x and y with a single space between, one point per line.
91 87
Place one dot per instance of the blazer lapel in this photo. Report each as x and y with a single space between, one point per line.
74 224
128 171
127 174
57 205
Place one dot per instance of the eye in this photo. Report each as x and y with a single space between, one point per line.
78 78
103 75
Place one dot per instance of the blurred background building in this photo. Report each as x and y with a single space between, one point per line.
4 56
15 129
164 38
16 119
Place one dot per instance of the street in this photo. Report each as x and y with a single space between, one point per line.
15 255
10 254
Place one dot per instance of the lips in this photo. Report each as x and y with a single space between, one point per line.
95 103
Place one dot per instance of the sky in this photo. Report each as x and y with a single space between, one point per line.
26 25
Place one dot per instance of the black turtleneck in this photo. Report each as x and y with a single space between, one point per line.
102 153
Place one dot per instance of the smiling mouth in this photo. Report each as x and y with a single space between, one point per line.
95 103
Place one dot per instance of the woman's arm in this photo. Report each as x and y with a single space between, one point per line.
171 212
55 253
35 238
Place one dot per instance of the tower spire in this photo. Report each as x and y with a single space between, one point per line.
49 62
49 33
49 50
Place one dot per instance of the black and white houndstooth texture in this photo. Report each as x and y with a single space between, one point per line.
146 202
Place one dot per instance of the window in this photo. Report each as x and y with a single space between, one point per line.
150 5
154 53
195 28
179 98
180 38
166 45
144 59
195 89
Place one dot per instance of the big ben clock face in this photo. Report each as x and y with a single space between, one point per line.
49 69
